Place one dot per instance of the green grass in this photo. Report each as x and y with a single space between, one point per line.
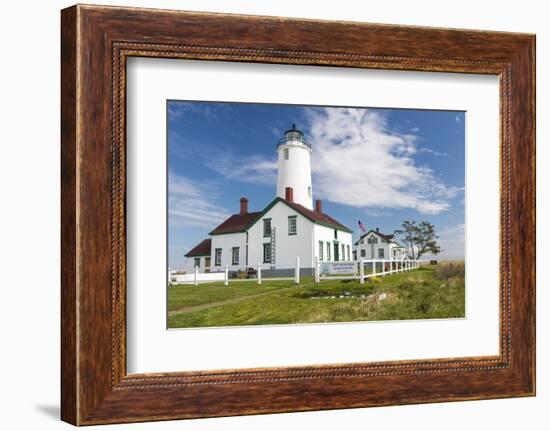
189 295
416 294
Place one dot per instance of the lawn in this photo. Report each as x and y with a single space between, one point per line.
426 293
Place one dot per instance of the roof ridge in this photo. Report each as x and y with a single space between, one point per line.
331 220
236 223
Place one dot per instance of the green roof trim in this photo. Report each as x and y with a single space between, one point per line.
227 233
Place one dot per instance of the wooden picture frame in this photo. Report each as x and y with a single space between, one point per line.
95 43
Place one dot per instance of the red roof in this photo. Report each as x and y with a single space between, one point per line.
202 249
387 237
236 223
241 222
316 217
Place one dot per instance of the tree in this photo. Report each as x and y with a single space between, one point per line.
420 237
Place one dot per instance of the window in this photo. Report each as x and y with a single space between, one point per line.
349 257
235 256
372 240
381 253
292 225
267 252
197 262
328 251
267 227
354 254
309 192
321 250
363 254
218 257
343 252
335 233
285 153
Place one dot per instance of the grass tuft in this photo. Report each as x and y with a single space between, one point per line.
447 270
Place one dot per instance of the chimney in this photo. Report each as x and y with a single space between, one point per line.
377 229
244 205
319 206
289 194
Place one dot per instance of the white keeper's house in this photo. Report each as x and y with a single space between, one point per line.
377 245
288 227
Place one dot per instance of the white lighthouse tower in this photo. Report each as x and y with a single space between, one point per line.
294 167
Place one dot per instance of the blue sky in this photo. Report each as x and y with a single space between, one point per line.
380 166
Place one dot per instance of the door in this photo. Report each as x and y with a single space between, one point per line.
336 255
207 264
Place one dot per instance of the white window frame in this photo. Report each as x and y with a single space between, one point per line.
266 220
290 220
233 255
265 246
218 257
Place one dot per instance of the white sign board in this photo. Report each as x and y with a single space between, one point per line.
338 267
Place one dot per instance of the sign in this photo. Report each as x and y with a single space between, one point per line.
338 267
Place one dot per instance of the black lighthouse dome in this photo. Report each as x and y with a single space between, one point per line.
294 135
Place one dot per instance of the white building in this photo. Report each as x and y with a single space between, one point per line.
288 227
377 245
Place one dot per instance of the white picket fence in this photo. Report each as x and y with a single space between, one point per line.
209 277
196 277
325 270
387 266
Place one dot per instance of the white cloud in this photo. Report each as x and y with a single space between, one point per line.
179 109
276 132
430 151
377 212
415 129
457 118
248 169
253 168
358 161
193 203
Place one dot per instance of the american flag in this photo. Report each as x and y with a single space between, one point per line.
362 226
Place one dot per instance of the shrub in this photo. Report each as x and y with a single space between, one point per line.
445 271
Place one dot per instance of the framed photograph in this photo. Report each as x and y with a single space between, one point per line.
264 214
280 258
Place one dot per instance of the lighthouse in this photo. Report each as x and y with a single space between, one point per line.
294 167
287 233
